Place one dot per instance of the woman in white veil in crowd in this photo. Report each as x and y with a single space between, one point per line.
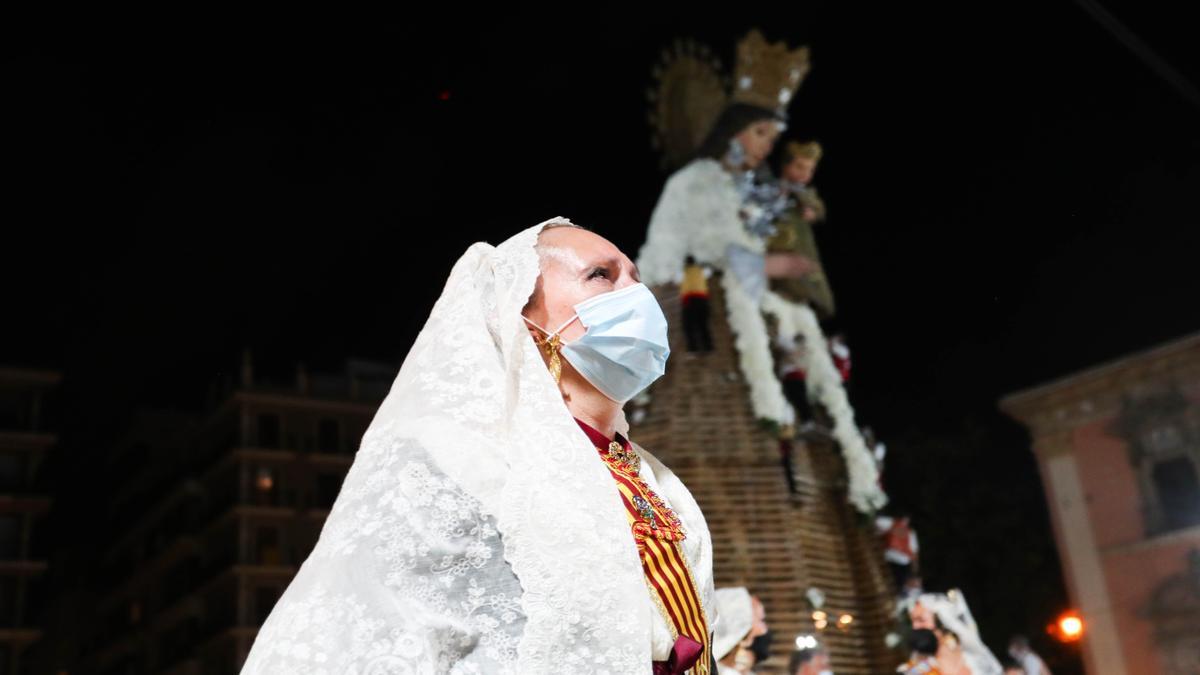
959 642
478 530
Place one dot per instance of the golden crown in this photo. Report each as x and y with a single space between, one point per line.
768 75
810 150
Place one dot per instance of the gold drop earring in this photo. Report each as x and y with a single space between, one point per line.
553 345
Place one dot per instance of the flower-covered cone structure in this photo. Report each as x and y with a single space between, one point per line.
700 422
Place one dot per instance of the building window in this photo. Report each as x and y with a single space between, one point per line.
10 537
8 602
268 552
328 436
179 580
1178 490
16 409
12 470
268 431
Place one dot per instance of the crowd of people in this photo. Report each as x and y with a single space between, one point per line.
941 638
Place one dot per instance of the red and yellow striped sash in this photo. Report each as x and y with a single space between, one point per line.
658 531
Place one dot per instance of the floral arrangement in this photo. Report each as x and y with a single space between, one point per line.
825 386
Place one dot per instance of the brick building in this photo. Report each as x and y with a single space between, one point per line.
24 441
1118 446
213 514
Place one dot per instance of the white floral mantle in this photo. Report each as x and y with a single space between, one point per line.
698 215
825 386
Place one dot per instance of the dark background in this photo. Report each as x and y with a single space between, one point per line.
1011 195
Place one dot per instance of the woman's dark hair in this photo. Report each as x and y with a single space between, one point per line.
801 657
735 118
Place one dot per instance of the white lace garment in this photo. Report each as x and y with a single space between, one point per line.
478 530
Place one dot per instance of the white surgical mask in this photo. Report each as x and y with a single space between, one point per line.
625 347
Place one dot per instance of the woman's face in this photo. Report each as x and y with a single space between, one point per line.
922 616
757 140
576 265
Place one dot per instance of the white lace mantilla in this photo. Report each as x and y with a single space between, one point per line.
409 577
478 530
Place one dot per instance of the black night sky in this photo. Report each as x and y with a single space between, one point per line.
1011 196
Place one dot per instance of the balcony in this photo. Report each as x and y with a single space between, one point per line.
36 505
22 568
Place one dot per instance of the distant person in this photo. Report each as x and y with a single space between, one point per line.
961 650
901 548
810 662
1018 648
742 638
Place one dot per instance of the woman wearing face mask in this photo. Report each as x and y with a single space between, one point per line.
742 639
960 649
497 519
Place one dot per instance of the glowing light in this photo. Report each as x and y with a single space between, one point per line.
263 480
1069 627
444 95
806 642
845 619
820 619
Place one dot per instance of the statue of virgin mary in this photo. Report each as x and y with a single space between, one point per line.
719 210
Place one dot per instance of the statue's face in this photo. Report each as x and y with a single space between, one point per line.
800 170
576 265
757 140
